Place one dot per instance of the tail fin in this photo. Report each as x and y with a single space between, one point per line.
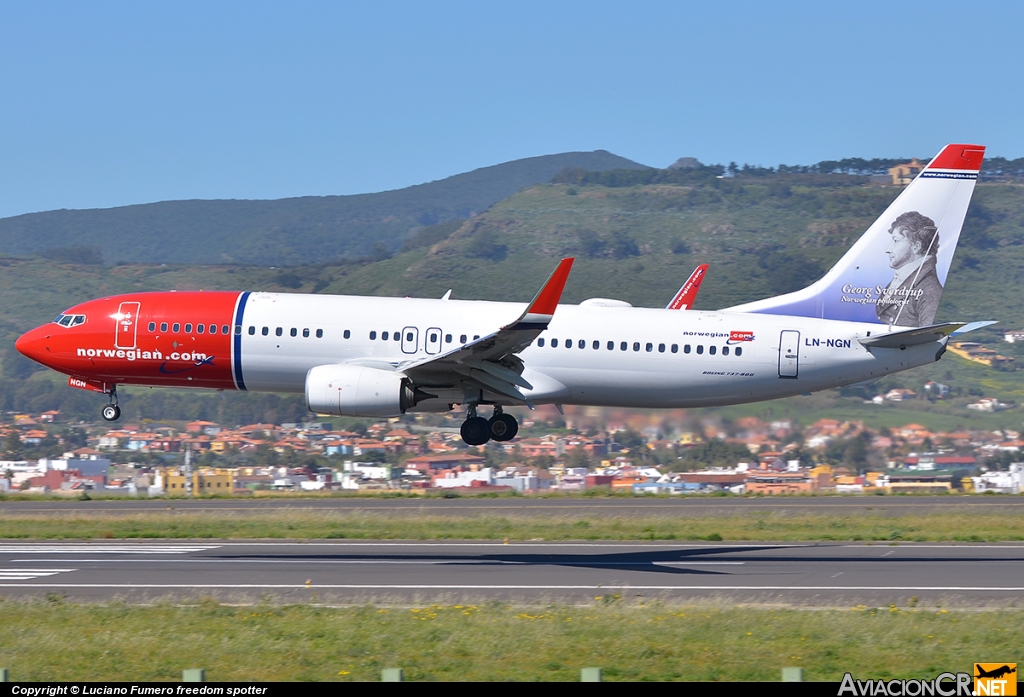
685 296
896 271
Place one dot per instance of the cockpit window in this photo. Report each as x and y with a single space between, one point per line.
70 320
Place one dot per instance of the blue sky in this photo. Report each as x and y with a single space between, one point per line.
113 103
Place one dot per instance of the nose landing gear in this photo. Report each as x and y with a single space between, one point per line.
112 412
477 430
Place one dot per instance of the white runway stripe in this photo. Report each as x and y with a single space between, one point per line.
29 574
103 549
434 562
450 587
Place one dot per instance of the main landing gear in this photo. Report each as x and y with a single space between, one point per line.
476 430
112 412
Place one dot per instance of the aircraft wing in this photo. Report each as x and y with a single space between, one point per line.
684 297
923 335
490 362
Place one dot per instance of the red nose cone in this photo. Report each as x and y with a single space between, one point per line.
32 344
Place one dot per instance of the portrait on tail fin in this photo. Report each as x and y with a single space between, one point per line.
912 297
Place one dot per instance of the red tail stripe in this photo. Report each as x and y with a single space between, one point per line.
964 157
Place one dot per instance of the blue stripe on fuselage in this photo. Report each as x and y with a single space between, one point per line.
239 312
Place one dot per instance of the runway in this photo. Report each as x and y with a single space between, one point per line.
416 572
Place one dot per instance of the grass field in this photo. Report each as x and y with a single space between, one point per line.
54 640
869 524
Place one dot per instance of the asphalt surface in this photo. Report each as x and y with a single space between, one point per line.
674 507
416 572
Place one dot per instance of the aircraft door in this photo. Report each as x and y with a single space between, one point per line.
432 343
410 339
127 325
789 354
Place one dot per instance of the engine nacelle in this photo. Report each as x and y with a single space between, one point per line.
353 390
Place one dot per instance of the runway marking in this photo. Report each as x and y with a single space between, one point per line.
436 562
107 549
29 574
889 552
86 548
518 545
448 587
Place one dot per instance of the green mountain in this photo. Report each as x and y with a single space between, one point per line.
284 232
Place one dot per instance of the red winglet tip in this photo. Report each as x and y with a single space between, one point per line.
959 156
548 297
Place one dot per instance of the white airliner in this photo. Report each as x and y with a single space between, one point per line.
871 315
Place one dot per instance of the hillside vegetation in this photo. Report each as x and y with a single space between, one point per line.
292 231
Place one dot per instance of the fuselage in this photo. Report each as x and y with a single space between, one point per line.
601 356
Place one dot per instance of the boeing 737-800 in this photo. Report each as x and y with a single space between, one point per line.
871 315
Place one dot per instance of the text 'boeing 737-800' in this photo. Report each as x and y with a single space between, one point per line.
871 315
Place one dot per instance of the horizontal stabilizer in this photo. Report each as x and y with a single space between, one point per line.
924 335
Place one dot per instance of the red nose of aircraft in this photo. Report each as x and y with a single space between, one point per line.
34 344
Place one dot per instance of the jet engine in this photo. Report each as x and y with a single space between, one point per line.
354 390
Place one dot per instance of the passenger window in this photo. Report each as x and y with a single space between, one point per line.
163 326
581 344
554 343
252 330
152 326
278 331
712 350
176 328
373 336
224 329
700 349
649 347
201 328
636 345
540 343
397 336
265 331
188 328
305 333
568 343
675 348
725 350
739 350
475 337
622 346
611 345
661 348
686 348
294 332
383 336
319 333
462 339
447 338
597 345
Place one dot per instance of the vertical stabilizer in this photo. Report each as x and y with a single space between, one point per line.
896 271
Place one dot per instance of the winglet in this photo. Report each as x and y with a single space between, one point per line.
683 299
541 309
